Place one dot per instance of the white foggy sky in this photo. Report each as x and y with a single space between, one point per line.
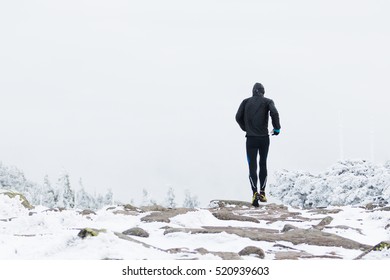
143 94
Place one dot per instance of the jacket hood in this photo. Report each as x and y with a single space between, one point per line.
258 90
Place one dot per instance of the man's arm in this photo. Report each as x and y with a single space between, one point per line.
240 115
274 115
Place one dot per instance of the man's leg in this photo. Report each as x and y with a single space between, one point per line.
251 153
264 147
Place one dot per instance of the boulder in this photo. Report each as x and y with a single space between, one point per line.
130 207
252 250
85 232
136 231
288 227
324 222
86 212
384 245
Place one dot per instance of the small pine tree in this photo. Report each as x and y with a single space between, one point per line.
47 196
109 198
66 194
170 199
84 200
190 201
146 200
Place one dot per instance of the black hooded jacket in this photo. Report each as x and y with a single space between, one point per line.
253 113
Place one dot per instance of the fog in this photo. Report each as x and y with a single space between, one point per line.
134 95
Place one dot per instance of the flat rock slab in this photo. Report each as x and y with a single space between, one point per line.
324 211
165 216
86 212
222 255
289 255
229 203
126 212
296 236
154 208
228 215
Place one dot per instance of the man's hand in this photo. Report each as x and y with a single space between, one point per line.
275 131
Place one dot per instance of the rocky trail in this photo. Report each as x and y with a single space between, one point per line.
228 230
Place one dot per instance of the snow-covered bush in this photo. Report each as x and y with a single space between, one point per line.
348 182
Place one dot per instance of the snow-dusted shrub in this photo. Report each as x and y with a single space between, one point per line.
349 182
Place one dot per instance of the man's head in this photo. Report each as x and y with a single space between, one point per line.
258 90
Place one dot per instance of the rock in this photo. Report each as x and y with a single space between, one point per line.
136 231
130 207
211 230
129 238
252 250
125 212
370 206
56 209
384 245
87 212
202 251
222 255
89 232
227 255
325 211
177 250
290 255
154 207
296 236
301 255
21 197
229 203
324 222
319 238
276 207
288 227
387 208
387 226
227 215
164 217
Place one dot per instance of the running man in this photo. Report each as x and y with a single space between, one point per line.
252 116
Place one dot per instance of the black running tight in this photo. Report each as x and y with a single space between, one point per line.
254 146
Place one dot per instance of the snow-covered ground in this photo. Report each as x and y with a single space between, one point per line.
54 235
